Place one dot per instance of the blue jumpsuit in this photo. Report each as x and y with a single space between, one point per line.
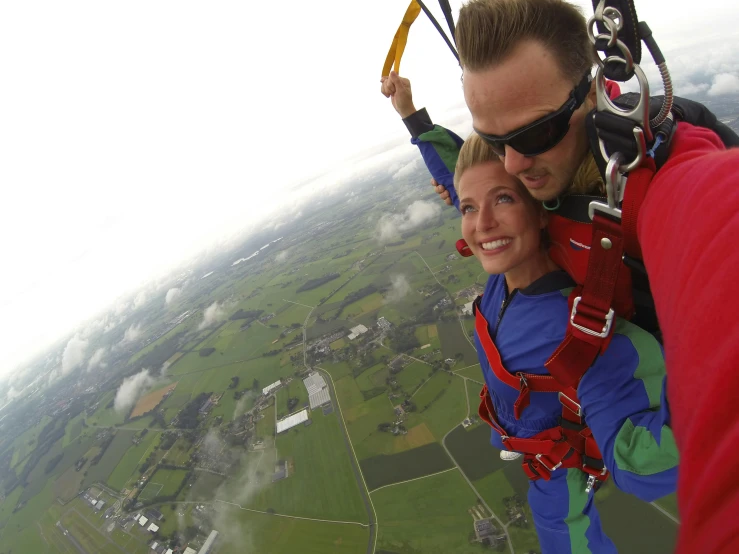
622 394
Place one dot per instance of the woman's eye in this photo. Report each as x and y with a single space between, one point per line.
505 199
466 209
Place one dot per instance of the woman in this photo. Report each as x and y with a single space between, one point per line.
525 305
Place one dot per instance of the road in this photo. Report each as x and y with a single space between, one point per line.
67 534
369 507
355 467
496 518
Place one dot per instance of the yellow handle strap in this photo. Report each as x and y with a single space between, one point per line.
400 39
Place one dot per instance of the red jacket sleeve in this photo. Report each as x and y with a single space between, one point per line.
689 232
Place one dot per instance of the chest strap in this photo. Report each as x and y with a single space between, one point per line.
525 383
569 445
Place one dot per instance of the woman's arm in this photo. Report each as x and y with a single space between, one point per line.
439 147
623 399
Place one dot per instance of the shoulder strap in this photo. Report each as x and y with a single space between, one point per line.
591 316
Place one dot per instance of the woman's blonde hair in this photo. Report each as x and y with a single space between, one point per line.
474 152
587 179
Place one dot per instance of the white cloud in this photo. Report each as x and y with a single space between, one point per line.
212 315
132 333
172 295
398 289
131 390
73 355
140 299
724 83
164 369
282 255
390 226
407 170
121 307
96 360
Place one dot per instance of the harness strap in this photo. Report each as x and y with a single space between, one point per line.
400 39
558 447
636 191
525 383
591 317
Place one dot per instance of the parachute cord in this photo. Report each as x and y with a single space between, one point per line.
439 28
657 141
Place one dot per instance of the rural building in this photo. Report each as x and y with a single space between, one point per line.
189 550
485 530
154 545
154 514
292 420
153 528
99 505
467 308
208 544
143 520
318 394
206 407
356 331
169 551
281 471
269 388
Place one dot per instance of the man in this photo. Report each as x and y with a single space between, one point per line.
524 62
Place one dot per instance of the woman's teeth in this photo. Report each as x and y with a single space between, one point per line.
495 244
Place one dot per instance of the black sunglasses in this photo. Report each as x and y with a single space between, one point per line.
544 133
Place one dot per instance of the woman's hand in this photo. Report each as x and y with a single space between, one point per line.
398 89
442 192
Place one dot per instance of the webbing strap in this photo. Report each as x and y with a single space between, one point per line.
400 39
447 9
550 449
634 194
589 317
525 383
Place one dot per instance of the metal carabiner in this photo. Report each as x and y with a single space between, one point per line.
639 114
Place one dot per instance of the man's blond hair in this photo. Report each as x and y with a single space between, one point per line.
489 30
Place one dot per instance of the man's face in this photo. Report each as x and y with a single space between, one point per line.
527 86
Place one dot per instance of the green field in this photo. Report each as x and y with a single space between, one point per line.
384 470
635 526
117 449
441 403
472 450
322 485
428 515
254 532
26 441
454 342
164 482
125 472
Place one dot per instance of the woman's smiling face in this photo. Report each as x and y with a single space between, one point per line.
501 223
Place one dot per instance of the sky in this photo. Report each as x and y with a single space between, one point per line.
136 135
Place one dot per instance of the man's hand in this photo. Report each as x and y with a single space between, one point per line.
442 192
398 90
